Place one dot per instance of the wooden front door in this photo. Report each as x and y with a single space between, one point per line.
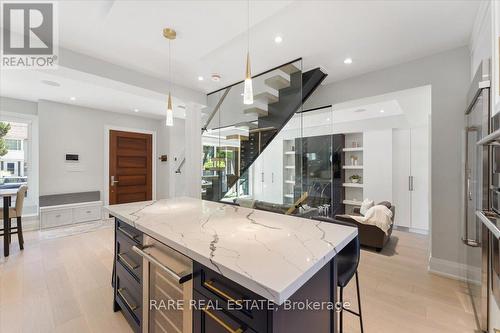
130 167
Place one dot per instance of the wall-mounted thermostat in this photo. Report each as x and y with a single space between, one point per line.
72 158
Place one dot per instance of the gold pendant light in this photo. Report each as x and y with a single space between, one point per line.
170 34
248 89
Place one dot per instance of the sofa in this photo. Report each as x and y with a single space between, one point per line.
369 235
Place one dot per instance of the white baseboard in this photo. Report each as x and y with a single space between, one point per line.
454 270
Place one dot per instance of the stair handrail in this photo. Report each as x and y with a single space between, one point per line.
216 109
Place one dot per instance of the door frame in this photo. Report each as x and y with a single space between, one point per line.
107 129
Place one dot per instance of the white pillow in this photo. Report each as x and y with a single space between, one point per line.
365 205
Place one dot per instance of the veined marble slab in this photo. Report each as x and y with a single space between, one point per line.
270 254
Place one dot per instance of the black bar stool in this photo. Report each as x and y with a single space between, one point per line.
347 267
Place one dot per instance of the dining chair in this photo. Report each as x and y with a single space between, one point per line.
17 213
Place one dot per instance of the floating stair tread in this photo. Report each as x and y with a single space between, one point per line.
353 149
290 69
278 80
267 96
256 110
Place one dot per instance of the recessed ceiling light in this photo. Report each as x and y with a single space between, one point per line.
72 98
278 39
200 78
382 111
347 61
136 110
216 77
51 83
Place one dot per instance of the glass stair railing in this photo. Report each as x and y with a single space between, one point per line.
235 134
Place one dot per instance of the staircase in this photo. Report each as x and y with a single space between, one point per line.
246 130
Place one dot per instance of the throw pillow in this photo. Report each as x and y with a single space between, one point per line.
365 205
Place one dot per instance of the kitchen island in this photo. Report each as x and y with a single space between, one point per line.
247 270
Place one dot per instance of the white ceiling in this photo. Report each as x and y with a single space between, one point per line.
212 39
212 34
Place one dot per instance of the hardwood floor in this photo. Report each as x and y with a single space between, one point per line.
63 285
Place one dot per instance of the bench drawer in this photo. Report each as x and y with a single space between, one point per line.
84 214
56 218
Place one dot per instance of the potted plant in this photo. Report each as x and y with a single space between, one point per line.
355 178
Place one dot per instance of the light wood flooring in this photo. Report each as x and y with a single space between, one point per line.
63 285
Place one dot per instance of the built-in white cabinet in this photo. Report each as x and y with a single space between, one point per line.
55 216
267 174
411 177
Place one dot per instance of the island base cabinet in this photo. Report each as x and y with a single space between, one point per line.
296 315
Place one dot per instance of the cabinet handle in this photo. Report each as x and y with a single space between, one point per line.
58 215
222 323
128 234
120 292
89 211
210 285
185 276
126 262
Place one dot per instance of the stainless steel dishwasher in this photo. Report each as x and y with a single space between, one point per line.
167 288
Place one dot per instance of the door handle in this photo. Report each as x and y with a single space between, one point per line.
113 181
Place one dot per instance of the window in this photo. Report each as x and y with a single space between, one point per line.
11 167
13 144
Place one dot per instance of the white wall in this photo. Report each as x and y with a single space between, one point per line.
72 129
377 168
448 73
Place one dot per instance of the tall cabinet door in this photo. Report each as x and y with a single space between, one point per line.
419 168
401 177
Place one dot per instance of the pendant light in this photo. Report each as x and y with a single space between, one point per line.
248 89
170 34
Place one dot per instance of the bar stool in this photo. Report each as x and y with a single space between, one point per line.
17 212
347 267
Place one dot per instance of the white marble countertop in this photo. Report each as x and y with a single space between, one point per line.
270 254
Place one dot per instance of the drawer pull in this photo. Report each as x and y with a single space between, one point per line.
88 212
58 215
128 234
222 323
185 276
210 285
127 263
120 292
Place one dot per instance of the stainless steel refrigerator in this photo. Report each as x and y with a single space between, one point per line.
477 174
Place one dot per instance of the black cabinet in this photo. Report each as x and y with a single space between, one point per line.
253 313
127 274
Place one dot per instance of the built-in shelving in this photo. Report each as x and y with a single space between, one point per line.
352 202
358 185
353 157
288 170
353 167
